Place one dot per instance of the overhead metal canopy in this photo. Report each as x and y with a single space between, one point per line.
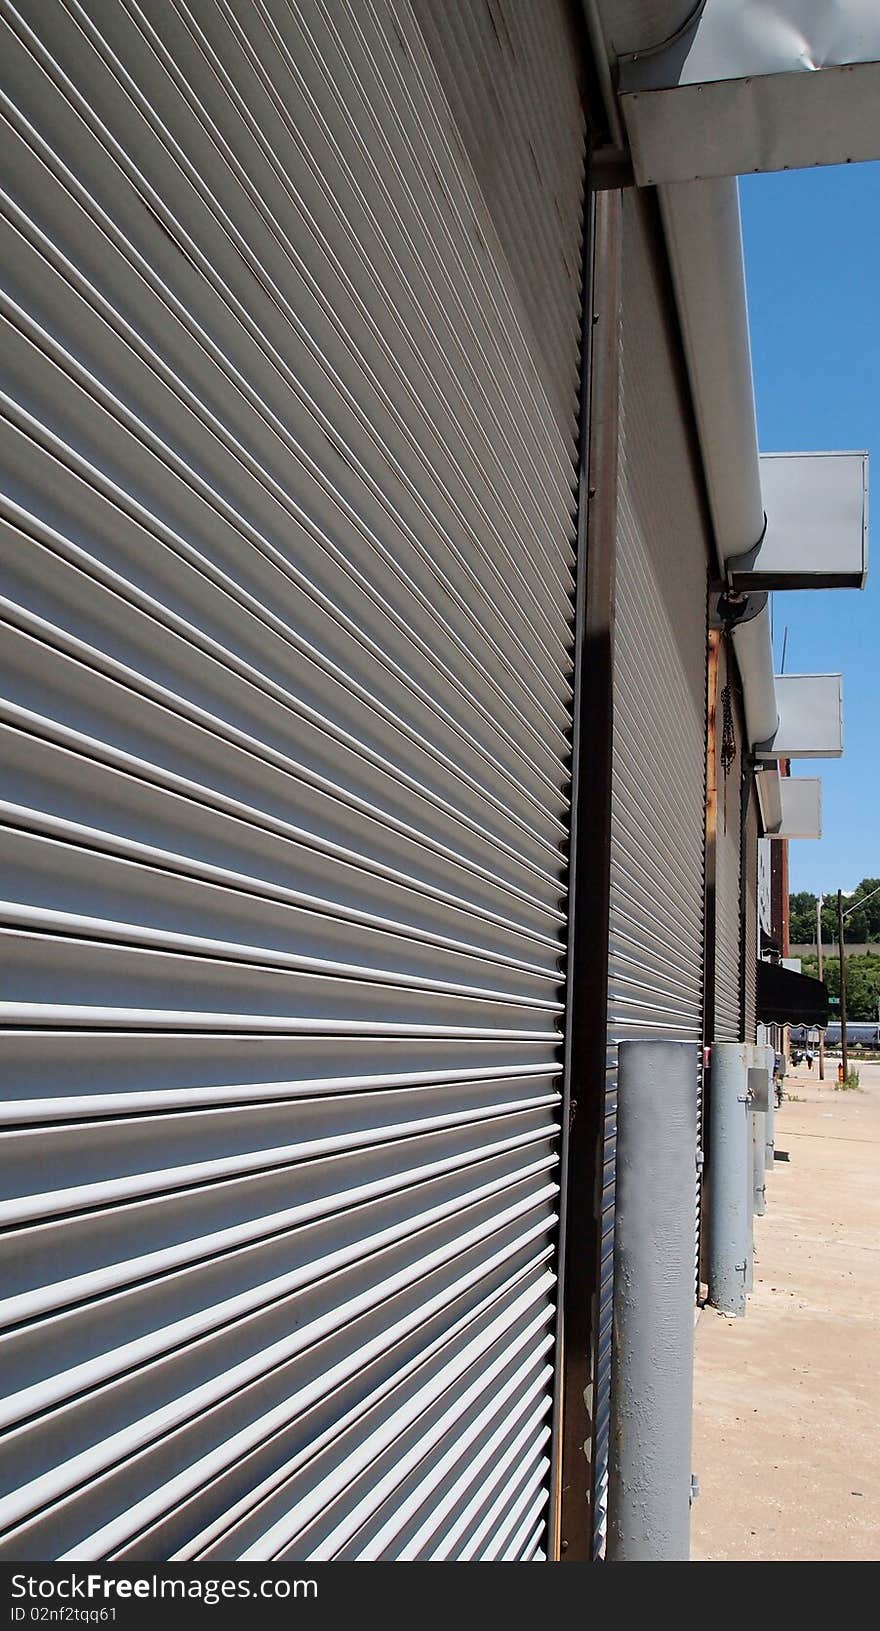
816 535
810 718
801 798
768 786
791 806
751 85
786 998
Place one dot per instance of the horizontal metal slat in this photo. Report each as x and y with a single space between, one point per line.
118 1333
472 283
182 274
288 576
71 886
383 1458
37 921
291 1405
485 1541
83 691
71 1076
513 1551
242 1135
52 769
481 1457
129 817
94 1444
332 65
106 1250
504 1465
230 1531
245 633
280 730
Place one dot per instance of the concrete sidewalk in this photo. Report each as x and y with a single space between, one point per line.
787 1400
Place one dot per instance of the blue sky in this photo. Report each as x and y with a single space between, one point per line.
812 246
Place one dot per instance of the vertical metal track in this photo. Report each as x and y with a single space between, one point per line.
588 952
568 1103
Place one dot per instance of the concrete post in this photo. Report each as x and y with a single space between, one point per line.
728 1177
653 1342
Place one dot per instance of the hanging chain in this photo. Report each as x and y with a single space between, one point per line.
728 743
728 735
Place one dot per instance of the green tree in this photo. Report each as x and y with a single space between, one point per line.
862 924
867 917
802 918
862 984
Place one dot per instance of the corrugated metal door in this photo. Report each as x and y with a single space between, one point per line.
658 792
729 737
751 831
288 553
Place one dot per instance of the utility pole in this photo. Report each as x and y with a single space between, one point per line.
841 914
843 1051
819 904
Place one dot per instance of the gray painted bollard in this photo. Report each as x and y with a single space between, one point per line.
759 1156
729 1177
770 1114
750 1211
649 1491
759 1092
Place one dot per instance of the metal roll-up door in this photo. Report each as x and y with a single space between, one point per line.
749 912
288 558
655 982
729 738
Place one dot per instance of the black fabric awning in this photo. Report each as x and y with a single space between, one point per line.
788 998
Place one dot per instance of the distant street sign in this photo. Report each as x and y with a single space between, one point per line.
834 1001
